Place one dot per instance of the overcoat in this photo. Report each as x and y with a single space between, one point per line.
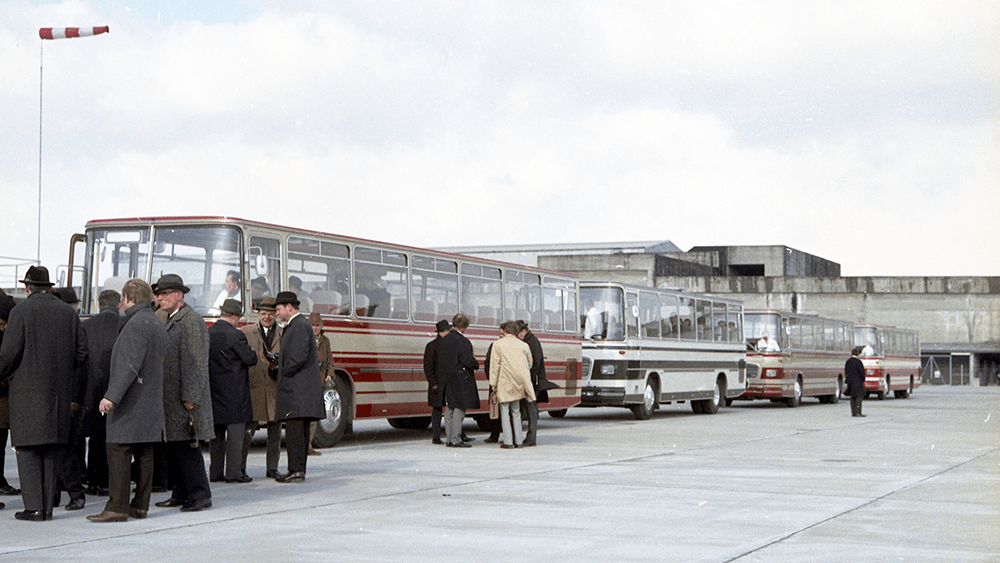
185 377
42 347
538 380
854 377
101 331
263 388
229 355
509 370
456 369
300 390
435 397
135 384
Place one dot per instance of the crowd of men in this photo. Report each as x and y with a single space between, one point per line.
142 384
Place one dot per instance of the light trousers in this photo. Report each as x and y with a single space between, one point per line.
510 423
453 419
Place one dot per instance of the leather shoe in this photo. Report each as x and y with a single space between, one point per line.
528 444
76 504
217 479
108 516
436 441
171 503
459 445
196 505
272 474
506 446
97 491
467 438
313 451
295 477
137 512
240 479
8 490
492 439
31 515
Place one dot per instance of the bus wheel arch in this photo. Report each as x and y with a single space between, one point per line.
338 404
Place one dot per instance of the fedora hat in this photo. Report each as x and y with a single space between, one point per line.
266 304
37 275
168 282
232 307
442 326
286 298
67 294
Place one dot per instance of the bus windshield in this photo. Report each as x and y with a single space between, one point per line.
757 325
867 338
603 313
202 256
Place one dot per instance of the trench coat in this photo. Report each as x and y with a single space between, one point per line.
435 397
538 380
101 331
456 369
509 370
300 388
185 377
263 388
854 377
135 384
42 347
229 355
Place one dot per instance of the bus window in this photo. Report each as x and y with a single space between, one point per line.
319 273
631 317
703 319
481 290
434 289
117 255
522 297
867 338
559 302
380 286
201 256
668 317
720 330
735 326
267 280
686 315
607 302
649 314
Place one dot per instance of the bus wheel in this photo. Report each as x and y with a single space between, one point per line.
698 407
557 413
711 406
796 398
835 398
884 391
644 410
410 422
336 401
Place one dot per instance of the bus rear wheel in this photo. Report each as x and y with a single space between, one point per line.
557 413
410 422
336 401
644 410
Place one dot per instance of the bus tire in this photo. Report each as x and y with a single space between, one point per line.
698 407
557 413
644 410
410 422
336 402
835 398
796 398
884 391
711 406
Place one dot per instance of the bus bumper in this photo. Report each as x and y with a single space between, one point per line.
602 396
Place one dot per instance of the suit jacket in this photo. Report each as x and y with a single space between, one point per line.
263 388
854 377
229 355
135 384
185 377
101 331
456 369
300 390
42 347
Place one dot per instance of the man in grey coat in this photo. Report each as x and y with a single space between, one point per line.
187 397
42 347
133 404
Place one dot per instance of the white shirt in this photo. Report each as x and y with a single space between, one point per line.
593 326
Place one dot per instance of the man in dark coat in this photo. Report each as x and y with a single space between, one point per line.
538 381
73 463
187 397
101 331
435 400
854 376
133 403
42 346
229 355
300 390
6 305
456 369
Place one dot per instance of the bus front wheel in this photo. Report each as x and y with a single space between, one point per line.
644 410
336 400
796 398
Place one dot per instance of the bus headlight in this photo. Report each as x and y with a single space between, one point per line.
770 373
608 369
869 372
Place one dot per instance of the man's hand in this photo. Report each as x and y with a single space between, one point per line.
105 406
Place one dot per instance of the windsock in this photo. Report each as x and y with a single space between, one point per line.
69 32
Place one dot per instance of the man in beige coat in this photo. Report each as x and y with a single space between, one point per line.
265 339
510 376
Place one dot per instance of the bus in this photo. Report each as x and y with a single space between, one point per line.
891 357
379 302
797 356
645 347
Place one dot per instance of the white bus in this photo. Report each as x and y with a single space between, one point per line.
644 347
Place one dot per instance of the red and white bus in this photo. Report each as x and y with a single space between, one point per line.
797 356
379 301
891 357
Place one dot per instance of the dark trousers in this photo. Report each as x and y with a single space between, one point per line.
97 457
273 444
530 407
70 477
119 462
436 414
856 405
186 469
226 451
3 454
36 470
297 443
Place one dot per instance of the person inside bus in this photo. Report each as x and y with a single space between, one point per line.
867 351
687 331
767 344
594 326
230 290
259 288
295 285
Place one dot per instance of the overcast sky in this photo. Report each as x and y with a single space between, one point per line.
867 133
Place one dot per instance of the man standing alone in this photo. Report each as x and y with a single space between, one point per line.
133 404
187 398
300 391
42 346
229 356
854 376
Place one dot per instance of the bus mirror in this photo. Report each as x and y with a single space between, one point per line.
260 265
159 246
635 311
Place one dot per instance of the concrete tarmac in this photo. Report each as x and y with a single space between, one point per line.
918 480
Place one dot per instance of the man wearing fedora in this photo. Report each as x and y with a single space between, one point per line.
43 345
229 356
187 398
435 395
265 339
300 390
